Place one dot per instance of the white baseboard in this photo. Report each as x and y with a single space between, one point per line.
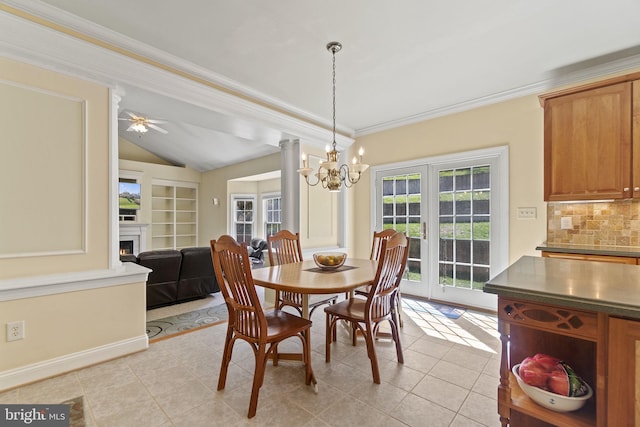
60 365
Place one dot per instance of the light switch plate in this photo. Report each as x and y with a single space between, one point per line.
527 213
566 223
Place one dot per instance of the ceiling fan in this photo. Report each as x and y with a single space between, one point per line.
142 124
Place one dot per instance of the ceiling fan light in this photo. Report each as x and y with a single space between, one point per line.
139 127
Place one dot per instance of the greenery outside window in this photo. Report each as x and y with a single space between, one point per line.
272 212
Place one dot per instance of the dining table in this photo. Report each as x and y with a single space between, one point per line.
307 278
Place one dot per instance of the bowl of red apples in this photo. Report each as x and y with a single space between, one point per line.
552 383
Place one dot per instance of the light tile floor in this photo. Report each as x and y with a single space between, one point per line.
449 378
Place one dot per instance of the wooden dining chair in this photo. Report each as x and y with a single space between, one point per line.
376 247
284 248
380 305
247 320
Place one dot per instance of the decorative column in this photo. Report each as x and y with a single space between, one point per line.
114 229
290 184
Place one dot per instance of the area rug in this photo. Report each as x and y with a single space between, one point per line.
186 322
449 311
76 412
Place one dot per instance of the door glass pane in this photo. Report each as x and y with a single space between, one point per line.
464 217
401 211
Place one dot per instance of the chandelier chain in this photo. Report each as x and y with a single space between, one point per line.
334 98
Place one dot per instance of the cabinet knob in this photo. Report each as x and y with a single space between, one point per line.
625 189
636 189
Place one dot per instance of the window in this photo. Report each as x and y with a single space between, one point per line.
243 214
465 226
124 213
272 214
455 211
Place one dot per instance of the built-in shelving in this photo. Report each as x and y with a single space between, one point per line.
174 214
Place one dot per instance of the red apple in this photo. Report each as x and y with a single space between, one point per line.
533 373
549 362
559 381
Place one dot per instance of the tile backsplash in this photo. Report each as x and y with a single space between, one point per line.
599 224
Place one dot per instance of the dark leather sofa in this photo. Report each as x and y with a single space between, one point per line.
177 276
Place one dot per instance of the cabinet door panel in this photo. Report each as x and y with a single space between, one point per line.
588 144
585 257
636 139
624 376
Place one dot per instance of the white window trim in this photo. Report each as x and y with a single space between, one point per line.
500 252
263 203
232 211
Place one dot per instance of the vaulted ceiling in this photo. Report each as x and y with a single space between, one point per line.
402 61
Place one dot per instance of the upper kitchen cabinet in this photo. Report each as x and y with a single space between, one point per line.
587 142
635 180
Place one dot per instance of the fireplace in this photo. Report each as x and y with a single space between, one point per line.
126 247
133 238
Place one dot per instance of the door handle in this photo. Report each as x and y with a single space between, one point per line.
424 231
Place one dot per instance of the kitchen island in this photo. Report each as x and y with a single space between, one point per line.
584 312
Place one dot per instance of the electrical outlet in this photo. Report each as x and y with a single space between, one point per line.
15 330
566 223
527 213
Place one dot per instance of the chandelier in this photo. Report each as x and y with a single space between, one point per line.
329 174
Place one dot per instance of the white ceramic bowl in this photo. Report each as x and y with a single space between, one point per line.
549 400
329 260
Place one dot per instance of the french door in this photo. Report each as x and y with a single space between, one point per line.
454 210
401 205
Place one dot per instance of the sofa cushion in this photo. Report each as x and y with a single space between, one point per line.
128 258
197 277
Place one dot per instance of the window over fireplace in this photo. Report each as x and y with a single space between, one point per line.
129 195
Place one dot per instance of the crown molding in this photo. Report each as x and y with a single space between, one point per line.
42 35
571 78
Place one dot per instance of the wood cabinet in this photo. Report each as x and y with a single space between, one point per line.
527 328
623 391
590 141
636 139
589 257
587 314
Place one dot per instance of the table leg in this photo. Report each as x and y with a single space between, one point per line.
305 306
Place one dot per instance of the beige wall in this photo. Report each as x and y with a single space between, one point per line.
79 321
517 123
213 219
318 206
130 151
44 151
259 188
68 323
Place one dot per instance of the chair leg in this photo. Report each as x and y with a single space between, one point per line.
396 338
258 379
354 334
399 308
226 358
328 339
274 355
306 350
371 352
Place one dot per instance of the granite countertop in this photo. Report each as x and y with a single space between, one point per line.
586 285
566 248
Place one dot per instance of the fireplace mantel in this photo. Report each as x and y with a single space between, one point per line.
135 232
